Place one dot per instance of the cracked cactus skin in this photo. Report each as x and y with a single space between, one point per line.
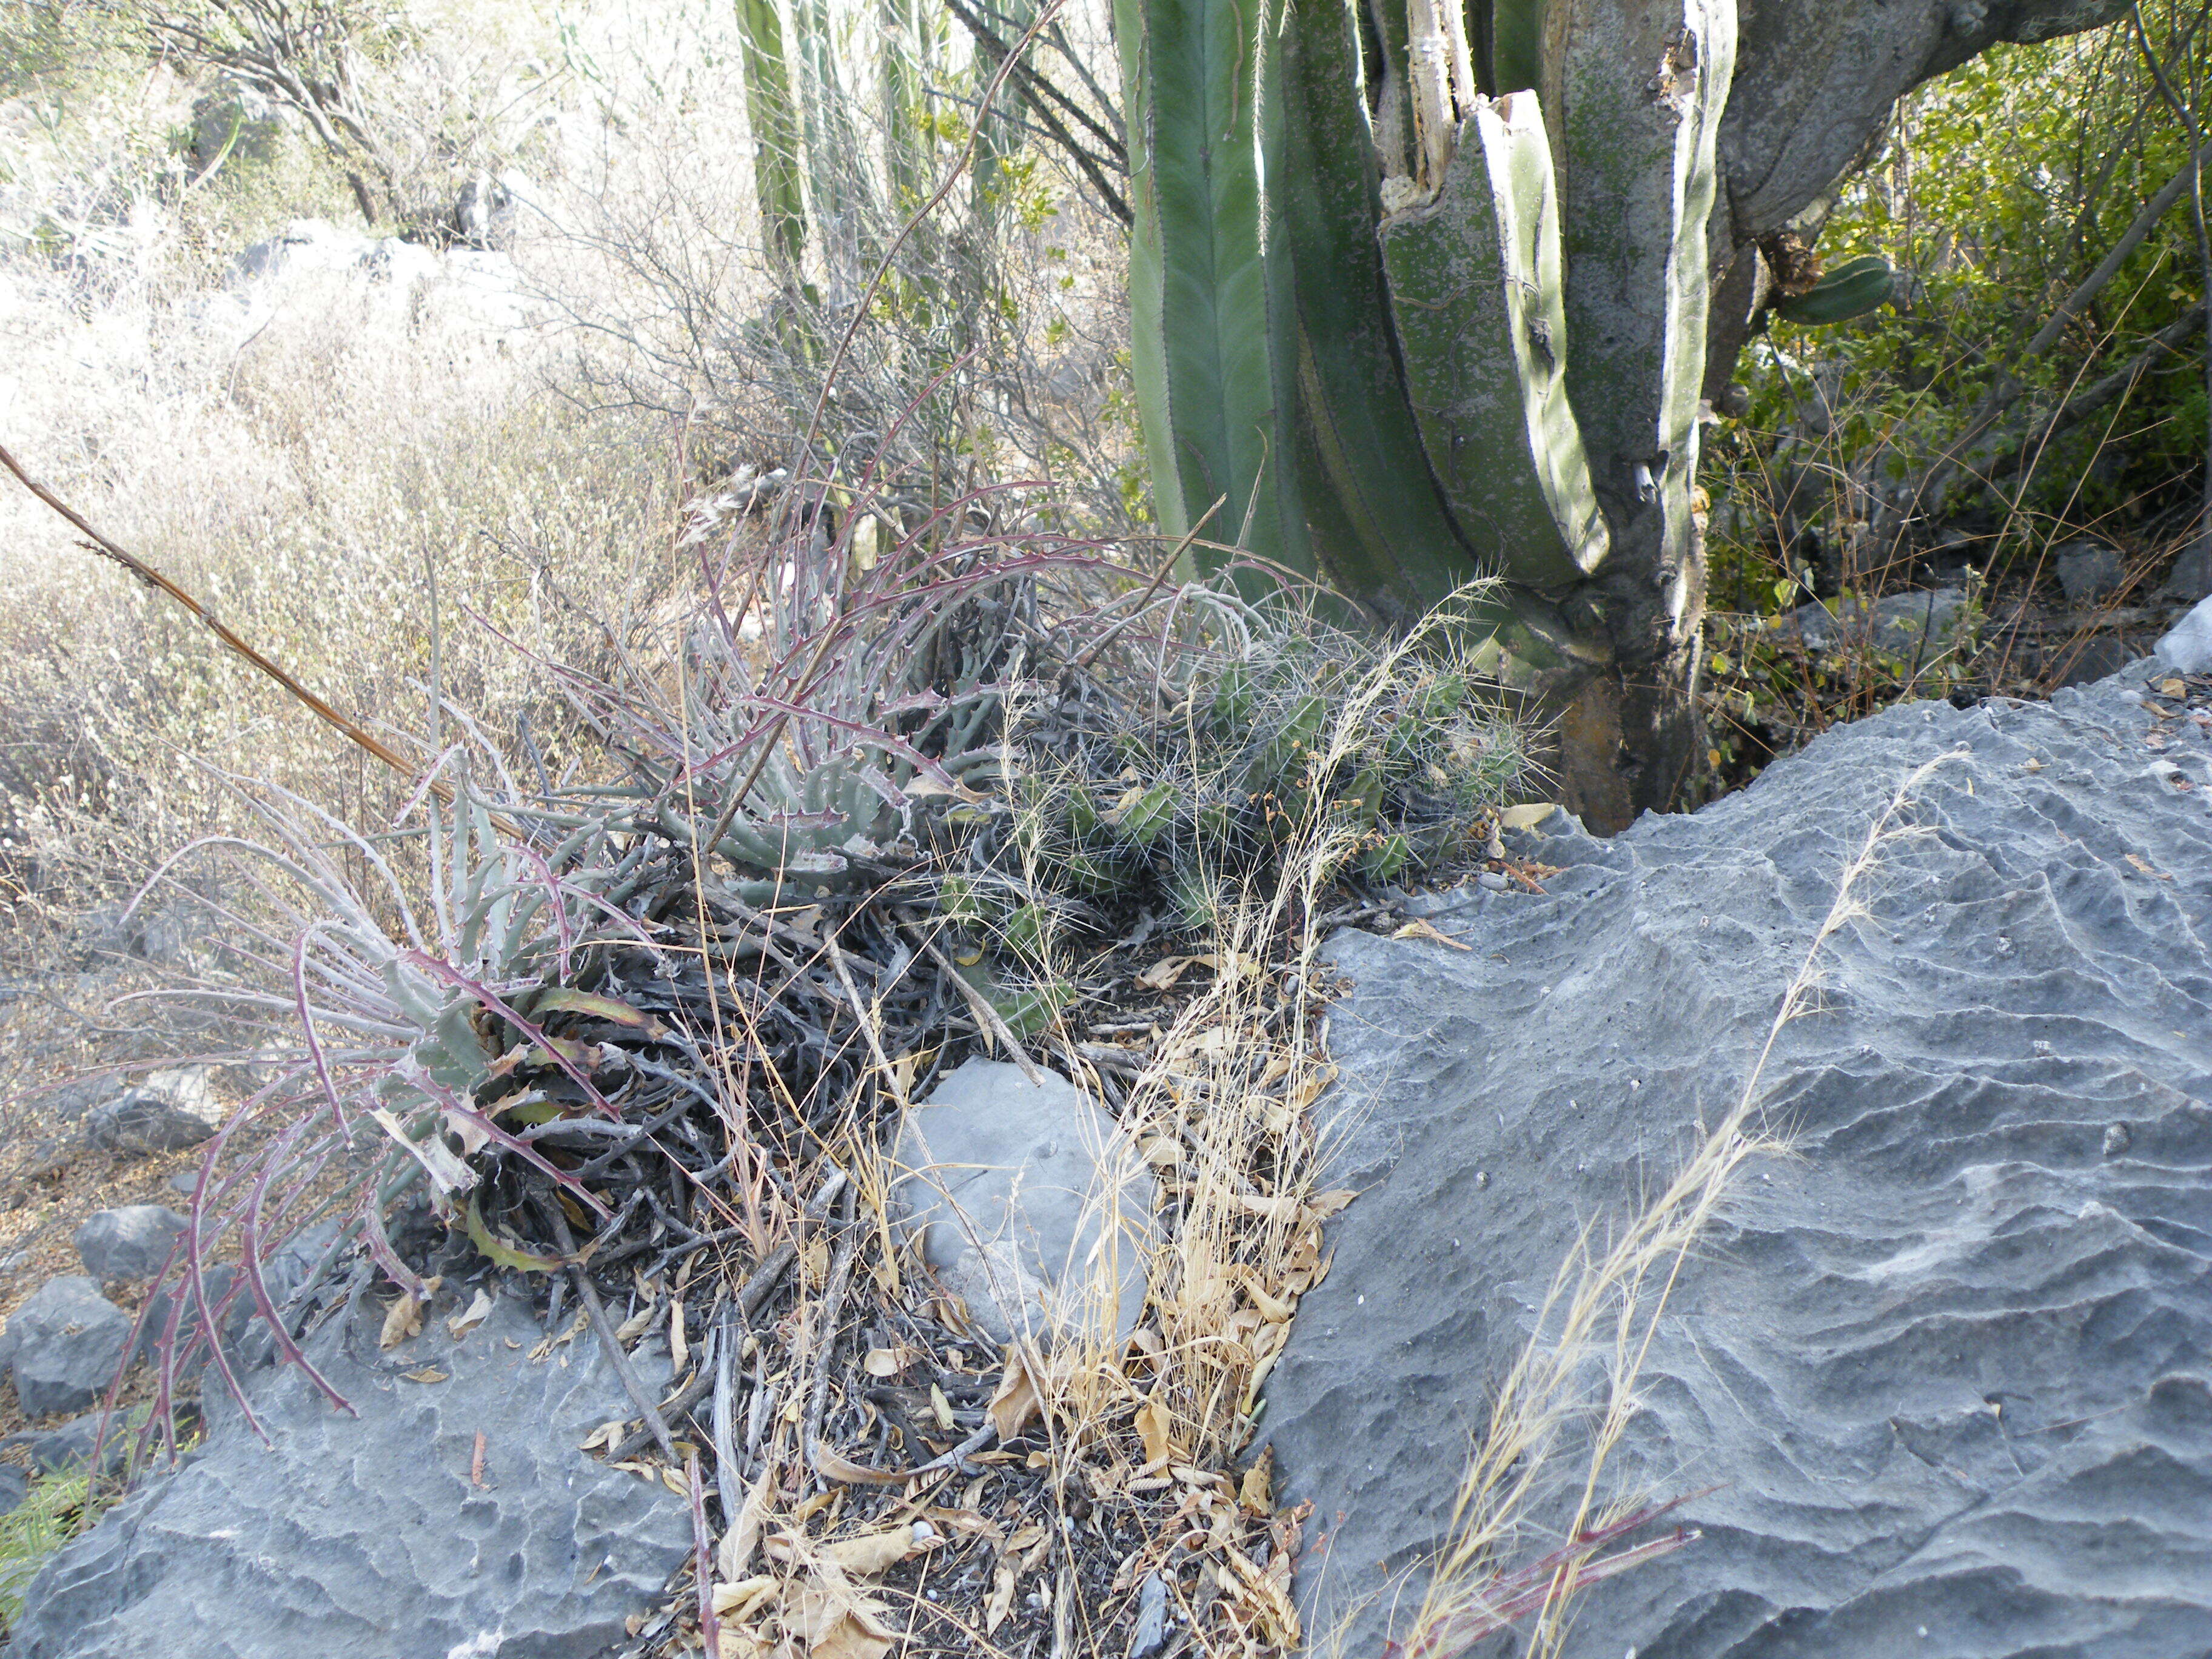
1642 86
1474 289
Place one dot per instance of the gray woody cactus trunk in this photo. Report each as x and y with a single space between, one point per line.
1422 292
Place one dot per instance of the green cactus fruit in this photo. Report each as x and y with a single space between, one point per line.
1852 289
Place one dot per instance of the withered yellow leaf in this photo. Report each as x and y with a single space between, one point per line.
1154 1427
1418 929
1015 1402
479 1309
402 1320
1002 1599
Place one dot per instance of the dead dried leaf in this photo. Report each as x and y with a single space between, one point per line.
1526 818
870 1553
739 1601
831 1465
1324 1205
402 1320
636 1325
887 1362
1016 1400
2147 867
1154 1428
1163 975
1256 1491
479 1309
1002 1599
941 1408
427 1374
1418 929
605 1437
735 1552
1273 1309
679 1346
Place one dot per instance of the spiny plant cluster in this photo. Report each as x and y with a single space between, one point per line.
1262 725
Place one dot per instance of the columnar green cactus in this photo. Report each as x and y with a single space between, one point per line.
1417 304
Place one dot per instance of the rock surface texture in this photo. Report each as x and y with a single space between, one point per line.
1008 1184
65 1346
130 1242
1941 1379
368 1537
144 1123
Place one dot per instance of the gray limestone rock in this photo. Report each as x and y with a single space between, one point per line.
1922 622
366 1536
143 1121
1939 1382
2089 571
65 1344
1007 1185
70 1448
14 1486
130 1242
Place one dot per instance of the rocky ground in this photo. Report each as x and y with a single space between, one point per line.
1934 1377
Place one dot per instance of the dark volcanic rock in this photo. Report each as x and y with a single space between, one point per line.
1946 1370
366 1537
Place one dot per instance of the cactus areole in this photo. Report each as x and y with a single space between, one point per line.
1423 292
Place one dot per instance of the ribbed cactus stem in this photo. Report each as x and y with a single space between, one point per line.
1643 88
1476 295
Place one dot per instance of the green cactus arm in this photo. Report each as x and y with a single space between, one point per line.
1516 46
1211 356
1852 290
1642 86
774 120
1475 295
1386 536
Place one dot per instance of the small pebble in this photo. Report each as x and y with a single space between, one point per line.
1494 880
2118 1139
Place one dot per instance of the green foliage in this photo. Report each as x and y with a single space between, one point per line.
56 1509
2004 185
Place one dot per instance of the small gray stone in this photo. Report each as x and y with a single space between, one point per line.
2190 578
2186 648
1004 1183
143 1122
2088 571
70 1448
358 1536
67 1344
1921 622
132 1242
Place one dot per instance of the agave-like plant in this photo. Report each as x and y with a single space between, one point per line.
406 1008
843 669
